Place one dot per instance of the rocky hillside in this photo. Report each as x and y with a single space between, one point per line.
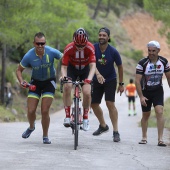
142 28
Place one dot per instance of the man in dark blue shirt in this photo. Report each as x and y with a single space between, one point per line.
105 82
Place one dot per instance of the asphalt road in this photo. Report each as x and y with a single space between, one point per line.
93 152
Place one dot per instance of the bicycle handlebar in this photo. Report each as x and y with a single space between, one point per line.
77 82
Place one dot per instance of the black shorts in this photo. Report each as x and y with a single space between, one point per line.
43 88
74 73
108 88
131 99
155 97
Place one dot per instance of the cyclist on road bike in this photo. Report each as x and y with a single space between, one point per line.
41 60
78 61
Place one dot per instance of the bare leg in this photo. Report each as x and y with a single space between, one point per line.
86 89
113 114
160 121
99 113
45 106
144 124
32 106
134 108
67 102
129 105
129 111
67 94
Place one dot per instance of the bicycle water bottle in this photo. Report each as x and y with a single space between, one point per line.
32 87
29 86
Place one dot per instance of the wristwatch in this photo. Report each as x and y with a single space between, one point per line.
121 84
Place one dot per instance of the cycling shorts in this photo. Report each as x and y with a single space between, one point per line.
43 88
131 99
107 88
155 97
74 73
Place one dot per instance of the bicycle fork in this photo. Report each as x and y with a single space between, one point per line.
76 117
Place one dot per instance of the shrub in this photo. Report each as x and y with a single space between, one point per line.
134 54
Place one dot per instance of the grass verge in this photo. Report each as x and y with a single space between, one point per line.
152 120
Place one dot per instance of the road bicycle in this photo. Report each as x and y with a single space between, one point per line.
76 116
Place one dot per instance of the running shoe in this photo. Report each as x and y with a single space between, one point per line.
101 130
66 122
86 126
46 140
27 133
116 136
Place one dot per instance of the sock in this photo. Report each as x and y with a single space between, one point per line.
129 112
67 111
85 114
31 128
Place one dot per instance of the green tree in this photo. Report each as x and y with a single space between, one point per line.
21 19
107 6
12 28
160 10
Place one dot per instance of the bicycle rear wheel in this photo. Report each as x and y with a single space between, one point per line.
76 121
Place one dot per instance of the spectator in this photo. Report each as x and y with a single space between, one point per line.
149 72
105 82
41 60
130 92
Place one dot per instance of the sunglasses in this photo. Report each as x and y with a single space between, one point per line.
40 43
80 46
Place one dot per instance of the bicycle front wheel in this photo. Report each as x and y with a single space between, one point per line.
76 121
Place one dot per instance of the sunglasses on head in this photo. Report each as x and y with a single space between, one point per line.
80 46
40 43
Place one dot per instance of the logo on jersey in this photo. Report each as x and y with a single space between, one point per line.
36 60
155 67
102 61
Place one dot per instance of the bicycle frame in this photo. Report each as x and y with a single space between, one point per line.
76 122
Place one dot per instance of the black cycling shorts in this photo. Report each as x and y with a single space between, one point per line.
131 99
74 73
43 88
155 97
107 88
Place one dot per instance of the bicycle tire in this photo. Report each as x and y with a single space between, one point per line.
76 122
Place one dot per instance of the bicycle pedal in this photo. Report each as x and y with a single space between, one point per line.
73 132
72 125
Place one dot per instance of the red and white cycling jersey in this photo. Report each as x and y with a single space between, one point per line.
78 59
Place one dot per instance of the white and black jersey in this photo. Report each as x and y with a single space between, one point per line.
152 73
